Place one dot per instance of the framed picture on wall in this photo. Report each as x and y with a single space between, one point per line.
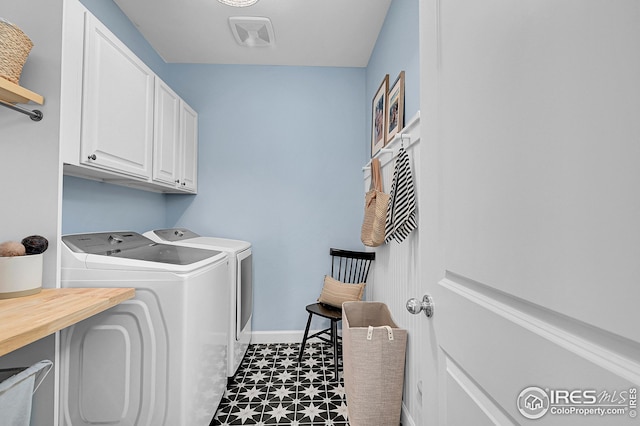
378 112
395 111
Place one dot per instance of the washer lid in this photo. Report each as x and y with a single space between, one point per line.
131 245
163 253
174 234
189 238
215 243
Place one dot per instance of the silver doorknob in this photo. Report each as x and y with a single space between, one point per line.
92 157
416 306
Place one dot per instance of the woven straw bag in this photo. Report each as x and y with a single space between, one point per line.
376 203
14 49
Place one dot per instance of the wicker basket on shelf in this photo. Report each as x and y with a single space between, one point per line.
14 49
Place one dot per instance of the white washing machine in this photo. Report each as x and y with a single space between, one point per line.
240 283
158 359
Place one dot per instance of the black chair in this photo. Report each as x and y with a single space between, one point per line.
348 267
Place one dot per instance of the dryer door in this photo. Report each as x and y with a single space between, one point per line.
244 295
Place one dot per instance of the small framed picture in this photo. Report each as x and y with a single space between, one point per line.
395 110
378 112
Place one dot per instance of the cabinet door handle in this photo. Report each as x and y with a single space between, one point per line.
92 157
177 180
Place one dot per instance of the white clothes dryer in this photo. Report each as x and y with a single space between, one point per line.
157 359
240 283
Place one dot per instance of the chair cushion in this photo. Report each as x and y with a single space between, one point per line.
335 292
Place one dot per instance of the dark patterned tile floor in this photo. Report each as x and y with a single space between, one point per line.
270 388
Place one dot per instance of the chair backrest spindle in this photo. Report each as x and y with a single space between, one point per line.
350 266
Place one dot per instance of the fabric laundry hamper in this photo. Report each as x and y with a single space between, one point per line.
373 351
17 386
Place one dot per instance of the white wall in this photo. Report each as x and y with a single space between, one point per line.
29 167
394 277
395 273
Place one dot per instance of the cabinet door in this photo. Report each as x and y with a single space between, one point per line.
166 138
117 110
189 141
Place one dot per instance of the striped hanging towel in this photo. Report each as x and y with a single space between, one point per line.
401 214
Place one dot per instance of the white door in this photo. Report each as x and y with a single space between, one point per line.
530 211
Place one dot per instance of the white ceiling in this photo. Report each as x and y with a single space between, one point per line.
337 33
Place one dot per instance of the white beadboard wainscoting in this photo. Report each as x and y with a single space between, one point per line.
395 275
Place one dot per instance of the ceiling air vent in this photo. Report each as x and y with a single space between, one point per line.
252 31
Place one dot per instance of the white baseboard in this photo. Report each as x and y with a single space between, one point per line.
290 336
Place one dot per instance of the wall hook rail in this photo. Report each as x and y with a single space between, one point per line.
35 115
401 136
378 154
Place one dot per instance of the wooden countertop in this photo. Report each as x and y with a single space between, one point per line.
24 320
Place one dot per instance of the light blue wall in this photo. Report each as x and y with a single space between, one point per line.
280 158
111 16
89 206
280 166
397 49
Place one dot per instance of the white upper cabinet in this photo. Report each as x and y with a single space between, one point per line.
189 143
118 91
120 122
175 147
166 138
